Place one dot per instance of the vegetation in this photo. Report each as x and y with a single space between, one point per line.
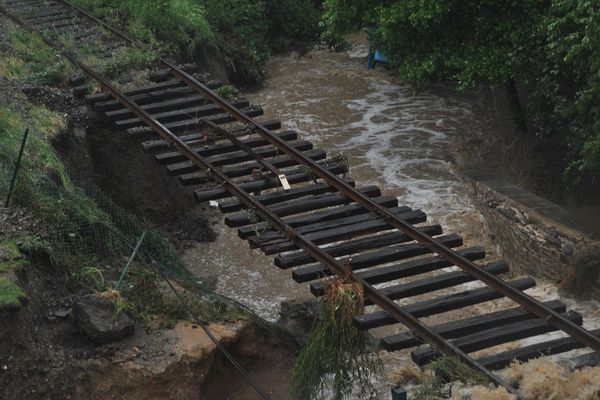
10 295
551 47
31 61
242 33
89 235
337 355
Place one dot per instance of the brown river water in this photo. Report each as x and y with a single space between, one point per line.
403 142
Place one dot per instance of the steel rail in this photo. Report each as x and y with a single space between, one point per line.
529 303
233 139
311 248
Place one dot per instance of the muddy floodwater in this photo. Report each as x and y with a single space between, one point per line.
405 143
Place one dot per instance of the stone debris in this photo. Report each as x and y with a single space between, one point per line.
97 318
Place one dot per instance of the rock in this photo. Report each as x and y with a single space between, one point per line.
95 315
297 317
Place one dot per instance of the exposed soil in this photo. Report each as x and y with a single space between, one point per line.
43 355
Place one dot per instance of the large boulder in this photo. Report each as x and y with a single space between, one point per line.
97 317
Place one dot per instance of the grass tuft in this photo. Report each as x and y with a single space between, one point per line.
337 355
32 61
11 296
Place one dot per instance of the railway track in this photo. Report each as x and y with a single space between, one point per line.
294 201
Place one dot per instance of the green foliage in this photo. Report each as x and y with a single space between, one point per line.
228 92
337 355
31 61
342 16
90 278
128 59
10 295
552 47
180 22
243 32
569 83
43 185
291 23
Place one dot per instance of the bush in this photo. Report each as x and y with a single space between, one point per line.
180 22
244 33
550 46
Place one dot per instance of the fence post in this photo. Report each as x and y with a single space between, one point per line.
17 167
135 251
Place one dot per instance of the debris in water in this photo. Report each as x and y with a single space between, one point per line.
543 379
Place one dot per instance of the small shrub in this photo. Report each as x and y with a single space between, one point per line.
228 92
33 61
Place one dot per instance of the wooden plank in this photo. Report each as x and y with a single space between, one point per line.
192 123
198 139
463 327
151 94
315 217
586 360
225 147
439 282
439 305
556 346
297 258
321 211
334 213
236 157
495 336
264 184
415 267
249 168
345 232
408 268
197 111
285 195
366 260
304 204
273 237
98 97
160 106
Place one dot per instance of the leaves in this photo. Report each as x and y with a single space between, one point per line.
551 46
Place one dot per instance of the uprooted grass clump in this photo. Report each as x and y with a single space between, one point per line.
337 356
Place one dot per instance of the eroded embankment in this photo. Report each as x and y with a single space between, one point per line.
85 193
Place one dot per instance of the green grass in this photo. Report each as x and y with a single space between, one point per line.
10 295
32 61
127 60
228 92
182 23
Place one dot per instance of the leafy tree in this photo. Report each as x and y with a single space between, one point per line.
551 47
